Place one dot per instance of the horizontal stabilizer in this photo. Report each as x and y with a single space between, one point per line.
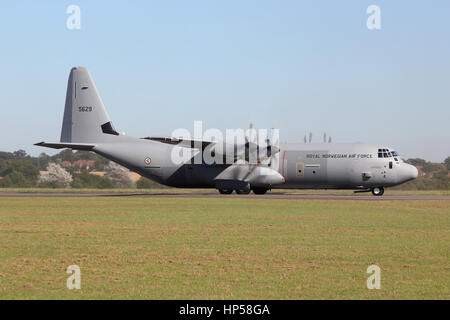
61 145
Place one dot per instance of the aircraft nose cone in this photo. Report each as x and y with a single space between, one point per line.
415 172
409 172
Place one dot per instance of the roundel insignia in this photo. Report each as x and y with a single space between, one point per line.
148 160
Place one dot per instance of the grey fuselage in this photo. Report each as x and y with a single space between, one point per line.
303 166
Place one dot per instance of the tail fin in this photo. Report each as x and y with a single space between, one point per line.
85 118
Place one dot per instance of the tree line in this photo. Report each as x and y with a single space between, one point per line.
65 170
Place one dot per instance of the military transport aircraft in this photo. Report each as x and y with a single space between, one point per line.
361 167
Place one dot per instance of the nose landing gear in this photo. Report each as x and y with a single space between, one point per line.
378 191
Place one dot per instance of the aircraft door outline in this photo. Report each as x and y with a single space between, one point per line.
299 169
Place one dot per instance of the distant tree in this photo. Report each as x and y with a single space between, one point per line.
119 175
6 155
416 162
14 179
86 180
20 154
56 177
447 163
41 161
65 155
28 170
431 167
18 173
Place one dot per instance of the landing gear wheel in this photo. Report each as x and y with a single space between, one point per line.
242 191
259 190
378 191
225 191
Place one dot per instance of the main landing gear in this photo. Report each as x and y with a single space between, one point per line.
259 190
225 191
243 191
378 191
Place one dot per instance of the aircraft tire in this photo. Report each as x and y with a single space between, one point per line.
378 191
259 190
225 191
242 191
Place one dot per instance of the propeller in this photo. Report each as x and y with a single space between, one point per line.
255 152
274 148
269 147
310 136
251 144
267 154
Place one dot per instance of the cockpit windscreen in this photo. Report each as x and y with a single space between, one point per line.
385 153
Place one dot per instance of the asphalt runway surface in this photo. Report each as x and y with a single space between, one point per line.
274 195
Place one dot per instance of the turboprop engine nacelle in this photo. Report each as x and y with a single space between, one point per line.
264 176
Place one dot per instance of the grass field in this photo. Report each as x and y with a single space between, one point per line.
160 248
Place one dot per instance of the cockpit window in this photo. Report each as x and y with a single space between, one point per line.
385 153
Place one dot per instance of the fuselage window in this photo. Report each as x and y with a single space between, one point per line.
390 164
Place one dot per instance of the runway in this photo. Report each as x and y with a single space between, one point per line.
275 195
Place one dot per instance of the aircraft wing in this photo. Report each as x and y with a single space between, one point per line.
187 143
241 150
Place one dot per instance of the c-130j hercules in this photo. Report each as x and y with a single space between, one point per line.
361 167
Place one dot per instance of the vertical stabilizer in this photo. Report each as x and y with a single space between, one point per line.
85 118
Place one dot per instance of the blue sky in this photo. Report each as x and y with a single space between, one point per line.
298 65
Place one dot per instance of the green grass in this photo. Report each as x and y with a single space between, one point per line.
181 248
